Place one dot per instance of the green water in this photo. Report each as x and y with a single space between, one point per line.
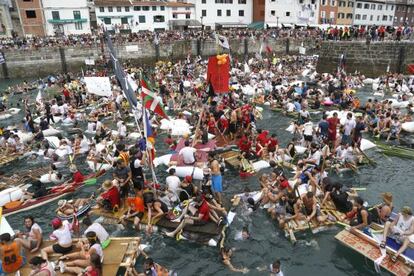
318 254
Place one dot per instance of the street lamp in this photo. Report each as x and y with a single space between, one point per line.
202 27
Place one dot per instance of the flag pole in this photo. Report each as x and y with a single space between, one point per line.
154 176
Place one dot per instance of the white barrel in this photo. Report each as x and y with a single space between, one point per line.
197 173
10 194
259 165
51 132
162 160
408 126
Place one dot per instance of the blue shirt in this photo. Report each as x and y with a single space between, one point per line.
298 107
323 127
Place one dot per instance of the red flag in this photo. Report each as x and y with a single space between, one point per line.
218 73
150 101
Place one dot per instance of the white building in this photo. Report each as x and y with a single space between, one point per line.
6 26
66 17
137 16
380 13
289 12
224 13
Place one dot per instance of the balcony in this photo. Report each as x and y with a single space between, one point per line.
66 21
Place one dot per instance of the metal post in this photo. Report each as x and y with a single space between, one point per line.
4 66
246 48
63 60
287 46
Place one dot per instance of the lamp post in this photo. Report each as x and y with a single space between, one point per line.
277 21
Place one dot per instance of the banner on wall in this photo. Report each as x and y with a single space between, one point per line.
218 74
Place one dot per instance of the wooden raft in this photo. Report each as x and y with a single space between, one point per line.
7 159
118 256
18 179
232 158
372 252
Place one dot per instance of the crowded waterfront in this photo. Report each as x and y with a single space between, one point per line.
208 166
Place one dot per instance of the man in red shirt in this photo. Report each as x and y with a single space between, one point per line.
245 145
78 177
66 94
202 216
272 146
110 198
333 124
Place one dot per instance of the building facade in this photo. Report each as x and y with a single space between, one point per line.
328 10
126 16
69 17
345 12
6 25
379 13
224 13
291 12
404 12
31 17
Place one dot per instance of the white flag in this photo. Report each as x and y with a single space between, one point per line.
222 41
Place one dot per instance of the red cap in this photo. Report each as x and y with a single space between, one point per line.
56 223
188 178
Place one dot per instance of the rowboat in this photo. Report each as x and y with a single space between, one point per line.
120 254
56 193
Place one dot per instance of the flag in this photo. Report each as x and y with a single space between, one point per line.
218 74
2 59
150 100
148 135
222 41
120 74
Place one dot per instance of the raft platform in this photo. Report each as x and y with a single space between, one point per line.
120 254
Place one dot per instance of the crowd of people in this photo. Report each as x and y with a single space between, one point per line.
103 137
336 33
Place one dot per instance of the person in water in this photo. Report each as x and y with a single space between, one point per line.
226 254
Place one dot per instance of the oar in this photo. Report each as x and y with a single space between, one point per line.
366 156
90 181
359 189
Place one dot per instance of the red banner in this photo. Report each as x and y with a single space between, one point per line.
218 73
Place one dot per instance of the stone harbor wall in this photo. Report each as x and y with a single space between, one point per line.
370 59
44 61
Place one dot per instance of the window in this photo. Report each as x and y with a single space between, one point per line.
373 6
119 9
350 4
390 17
332 15
78 25
323 2
141 19
364 17
127 9
313 2
203 13
287 14
371 17
174 15
242 1
145 8
379 7
384 18
55 15
357 16
378 18
300 1
228 12
159 18
154 8
218 12
187 16
203 1
107 21
101 9
163 8
30 14
76 15
273 13
110 9
392 7
124 20
359 5
323 14
241 12
333 3
349 16
342 3
137 8
366 6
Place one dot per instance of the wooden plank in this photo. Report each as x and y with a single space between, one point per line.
372 252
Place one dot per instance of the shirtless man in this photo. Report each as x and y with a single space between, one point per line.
312 208
216 178
233 124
